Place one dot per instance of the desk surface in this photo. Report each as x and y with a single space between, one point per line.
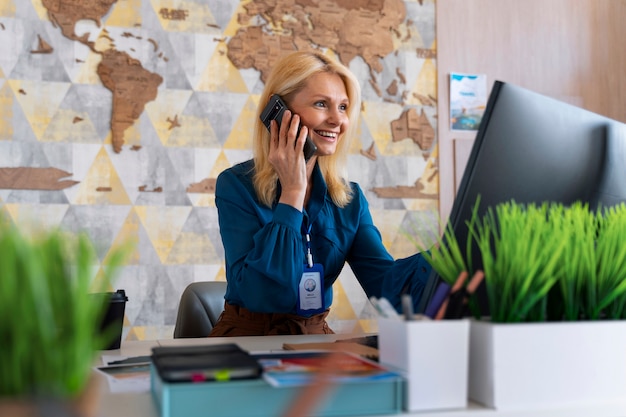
142 405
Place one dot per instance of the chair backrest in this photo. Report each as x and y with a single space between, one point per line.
200 306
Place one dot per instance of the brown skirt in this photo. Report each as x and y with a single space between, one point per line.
239 321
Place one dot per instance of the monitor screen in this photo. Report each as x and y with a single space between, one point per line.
532 148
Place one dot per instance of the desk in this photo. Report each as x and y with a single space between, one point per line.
142 405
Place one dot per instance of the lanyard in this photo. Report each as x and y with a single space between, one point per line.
309 255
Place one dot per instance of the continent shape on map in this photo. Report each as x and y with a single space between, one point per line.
349 27
131 84
66 13
414 126
132 87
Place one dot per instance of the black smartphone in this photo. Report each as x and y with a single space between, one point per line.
274 111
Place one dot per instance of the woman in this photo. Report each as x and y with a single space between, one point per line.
289 225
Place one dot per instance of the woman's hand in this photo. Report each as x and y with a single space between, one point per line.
287 158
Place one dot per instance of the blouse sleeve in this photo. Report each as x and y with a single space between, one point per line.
375 269
263 248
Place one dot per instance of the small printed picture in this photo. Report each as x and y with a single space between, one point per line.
468 99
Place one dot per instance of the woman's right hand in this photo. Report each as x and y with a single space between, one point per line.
287 157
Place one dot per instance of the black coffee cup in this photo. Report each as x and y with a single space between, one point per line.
113 320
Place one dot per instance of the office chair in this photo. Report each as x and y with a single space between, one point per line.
200 306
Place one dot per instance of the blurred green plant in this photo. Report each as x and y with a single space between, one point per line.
50 326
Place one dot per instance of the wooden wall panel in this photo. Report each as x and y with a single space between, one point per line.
572 50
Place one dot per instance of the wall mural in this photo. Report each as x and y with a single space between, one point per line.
117 116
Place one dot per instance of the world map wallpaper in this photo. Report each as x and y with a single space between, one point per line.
116 116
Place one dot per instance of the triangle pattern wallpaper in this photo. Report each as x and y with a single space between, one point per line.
117 116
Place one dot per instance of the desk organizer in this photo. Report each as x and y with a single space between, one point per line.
533 365
256 398
433 357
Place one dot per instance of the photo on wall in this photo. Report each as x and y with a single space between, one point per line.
468 98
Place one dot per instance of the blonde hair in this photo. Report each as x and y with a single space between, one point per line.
288 77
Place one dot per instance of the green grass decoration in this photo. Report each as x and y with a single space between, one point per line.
49 332
544 262
520 260
608 295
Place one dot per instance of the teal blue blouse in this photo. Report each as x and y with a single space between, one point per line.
265 248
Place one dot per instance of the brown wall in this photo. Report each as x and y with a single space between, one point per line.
572 50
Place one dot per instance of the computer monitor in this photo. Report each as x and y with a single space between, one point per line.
532 148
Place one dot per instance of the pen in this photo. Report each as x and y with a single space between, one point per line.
407 307
441 293
441 313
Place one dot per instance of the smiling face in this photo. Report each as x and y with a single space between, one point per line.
323 107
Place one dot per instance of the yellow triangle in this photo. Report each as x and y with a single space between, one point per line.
125 14
102 185
100 284
376 117
193 248
165 108
88 73
425 84
366 326
184 16
233 26
388 223
356 143
342 308
163 226
127 239
221 274
220 164
220 75
6 110
39 101
241 134
7 8
136 333
193 132
41 11
203 200
71 126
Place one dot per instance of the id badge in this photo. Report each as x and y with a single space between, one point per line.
311 291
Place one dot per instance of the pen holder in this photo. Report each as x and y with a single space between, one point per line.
433 357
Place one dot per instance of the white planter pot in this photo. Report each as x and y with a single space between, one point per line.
433 358
530 365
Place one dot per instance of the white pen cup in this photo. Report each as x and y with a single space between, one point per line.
432 355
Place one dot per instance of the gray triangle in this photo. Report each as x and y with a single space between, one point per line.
36 197
423 17
149 18
101 224
11 41
35 66
163 186
25 10
96 101
84 131
221 109
160 294
174 75
223 12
